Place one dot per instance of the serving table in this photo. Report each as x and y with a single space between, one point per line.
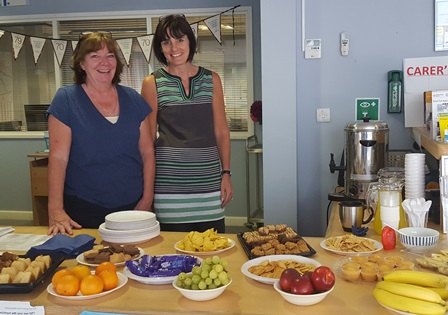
243 296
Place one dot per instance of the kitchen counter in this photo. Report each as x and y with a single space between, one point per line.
243 296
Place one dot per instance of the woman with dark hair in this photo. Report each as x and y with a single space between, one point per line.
192 184
101 156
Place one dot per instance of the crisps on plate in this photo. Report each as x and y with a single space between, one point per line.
207 241
274 269
350 243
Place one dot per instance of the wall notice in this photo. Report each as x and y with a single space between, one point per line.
420 75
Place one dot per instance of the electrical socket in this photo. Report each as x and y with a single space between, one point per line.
323 115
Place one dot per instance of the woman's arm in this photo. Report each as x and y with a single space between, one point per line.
222 135
60 142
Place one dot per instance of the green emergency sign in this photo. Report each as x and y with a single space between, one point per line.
368 107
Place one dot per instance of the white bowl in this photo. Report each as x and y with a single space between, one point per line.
301 299
418 238
201 295
129 220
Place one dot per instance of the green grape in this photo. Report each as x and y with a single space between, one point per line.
179 283
218 268
224 263
194 286
204 274
212 286
208 281
213 274
208 261
196 270
206 268
188 287
216 260
202 285
188 281
226 281
182 276
222 276
196 279
217 282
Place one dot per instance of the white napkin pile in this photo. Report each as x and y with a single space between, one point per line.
416 210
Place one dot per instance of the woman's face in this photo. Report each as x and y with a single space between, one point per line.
176 50
100 66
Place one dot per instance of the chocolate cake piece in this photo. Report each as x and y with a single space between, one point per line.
101 257
131 250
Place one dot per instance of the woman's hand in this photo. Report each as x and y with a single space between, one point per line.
61 223
226 190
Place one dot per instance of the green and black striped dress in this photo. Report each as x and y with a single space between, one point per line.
188 178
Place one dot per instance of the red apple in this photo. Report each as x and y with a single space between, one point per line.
308 274
323 278
287 276
302 285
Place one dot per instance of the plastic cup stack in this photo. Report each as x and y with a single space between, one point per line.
414 175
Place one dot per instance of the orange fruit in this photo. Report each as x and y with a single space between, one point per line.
80 271
58 274
67 285
110 279
91 284
107 265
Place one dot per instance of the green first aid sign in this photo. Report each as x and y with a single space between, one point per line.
368 107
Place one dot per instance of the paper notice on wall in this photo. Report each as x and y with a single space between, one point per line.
420 75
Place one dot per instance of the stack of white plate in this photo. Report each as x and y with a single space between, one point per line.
414 173
129 227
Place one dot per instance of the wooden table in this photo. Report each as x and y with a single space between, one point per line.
243 296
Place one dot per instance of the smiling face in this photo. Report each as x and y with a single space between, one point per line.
100 65
176 50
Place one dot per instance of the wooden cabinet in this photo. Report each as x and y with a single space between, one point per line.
39 187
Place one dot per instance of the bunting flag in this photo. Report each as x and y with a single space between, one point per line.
74 44
194 27
37 43
145 43
59 47
17 43
214 25
125 45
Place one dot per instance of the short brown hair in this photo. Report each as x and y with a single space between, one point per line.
178 26
89 43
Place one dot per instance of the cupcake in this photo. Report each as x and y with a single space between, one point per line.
350 273
359 259
370 275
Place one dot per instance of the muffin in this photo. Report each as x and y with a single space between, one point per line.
359 259
351 273
368 274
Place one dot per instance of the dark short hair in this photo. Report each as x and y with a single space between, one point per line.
178 26
89 43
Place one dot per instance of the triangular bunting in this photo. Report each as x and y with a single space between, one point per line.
74 44
145 45
17 43
214 25
59 47
1 33
37 44
194 27
125 45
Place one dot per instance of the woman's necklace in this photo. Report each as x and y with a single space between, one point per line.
111 113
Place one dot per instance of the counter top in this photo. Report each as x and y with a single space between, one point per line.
243 296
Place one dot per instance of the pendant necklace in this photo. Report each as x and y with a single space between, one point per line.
98 103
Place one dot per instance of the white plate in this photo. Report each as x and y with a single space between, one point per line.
122 280
256 261
232 243
152 280
80 259
377 245
396 311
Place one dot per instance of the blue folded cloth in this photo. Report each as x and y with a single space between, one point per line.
68 246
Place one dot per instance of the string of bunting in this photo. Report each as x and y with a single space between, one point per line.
213 23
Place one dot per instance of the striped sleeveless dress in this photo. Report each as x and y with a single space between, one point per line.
188 179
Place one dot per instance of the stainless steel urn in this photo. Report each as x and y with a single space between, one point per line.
366 152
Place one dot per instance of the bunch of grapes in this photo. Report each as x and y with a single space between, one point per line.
211 274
